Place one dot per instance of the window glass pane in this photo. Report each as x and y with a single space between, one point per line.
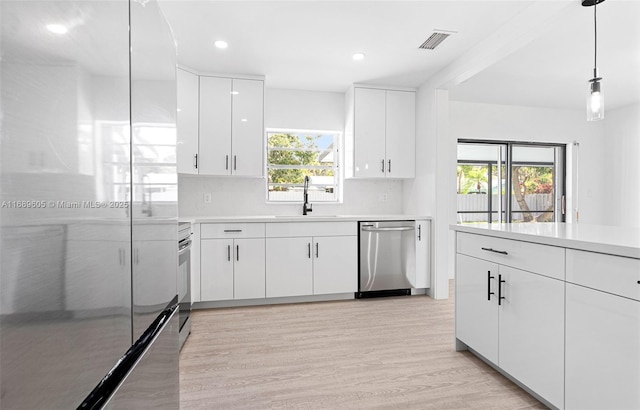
532 187
292 156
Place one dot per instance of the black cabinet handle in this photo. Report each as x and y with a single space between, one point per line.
382 169
489 292
500 297
226 162
229 253
237 252
389 167
235 163
195 165
495 251
232 230
419 232
317 254
309 250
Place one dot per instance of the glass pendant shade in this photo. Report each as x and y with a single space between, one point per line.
595 101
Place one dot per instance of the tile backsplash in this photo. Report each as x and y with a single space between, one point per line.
231 196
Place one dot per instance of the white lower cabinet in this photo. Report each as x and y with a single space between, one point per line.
513 318
335 265
603 331
233 269
477 306
532 332
216 264
310 258
603 350
289 267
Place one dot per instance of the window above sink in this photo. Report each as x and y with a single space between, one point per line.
294 154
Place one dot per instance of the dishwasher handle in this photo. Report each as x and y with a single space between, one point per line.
388 229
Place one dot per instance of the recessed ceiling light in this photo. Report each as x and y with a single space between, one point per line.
358 56
221 44
57 28
235 92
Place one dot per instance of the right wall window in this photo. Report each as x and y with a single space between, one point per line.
504 181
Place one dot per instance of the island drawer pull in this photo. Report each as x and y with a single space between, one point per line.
495 251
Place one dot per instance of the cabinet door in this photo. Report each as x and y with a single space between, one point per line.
187 122
532 332
369 133
335 264
423 250
401 134
289 267
248 269
214 153
602 354
216 269
248 129
477 305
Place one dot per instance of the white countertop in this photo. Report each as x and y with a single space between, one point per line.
595 238
302 218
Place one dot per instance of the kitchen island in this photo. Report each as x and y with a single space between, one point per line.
555 307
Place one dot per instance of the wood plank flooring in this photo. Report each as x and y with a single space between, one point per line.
367 354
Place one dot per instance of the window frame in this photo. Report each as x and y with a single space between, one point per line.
337 168
559 169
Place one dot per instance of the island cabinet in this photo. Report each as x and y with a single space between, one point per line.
232 261
603 331
310 258
510 309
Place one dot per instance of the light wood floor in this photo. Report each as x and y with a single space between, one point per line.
377 353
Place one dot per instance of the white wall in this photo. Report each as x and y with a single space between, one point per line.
516 123
310 110
622 161
432 192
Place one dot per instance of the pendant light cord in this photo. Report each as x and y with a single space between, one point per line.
595 35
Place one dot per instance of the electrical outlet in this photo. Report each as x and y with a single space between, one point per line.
207 197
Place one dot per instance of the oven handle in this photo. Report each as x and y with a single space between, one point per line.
184 246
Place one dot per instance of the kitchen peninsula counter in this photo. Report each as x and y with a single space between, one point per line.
611 240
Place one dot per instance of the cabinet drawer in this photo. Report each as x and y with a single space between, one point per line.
232 230
293 229
608 273
542 259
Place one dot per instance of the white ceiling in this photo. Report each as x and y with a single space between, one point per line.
308 45
552 71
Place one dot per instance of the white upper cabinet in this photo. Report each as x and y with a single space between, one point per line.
247 127
380 133
400 144
369 132
215 125
231 126
187 147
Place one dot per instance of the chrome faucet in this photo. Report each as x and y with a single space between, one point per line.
306 207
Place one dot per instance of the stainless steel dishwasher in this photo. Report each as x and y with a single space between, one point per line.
387 258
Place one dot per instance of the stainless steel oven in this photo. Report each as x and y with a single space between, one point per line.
184 280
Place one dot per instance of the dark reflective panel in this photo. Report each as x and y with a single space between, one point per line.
65 314
154 172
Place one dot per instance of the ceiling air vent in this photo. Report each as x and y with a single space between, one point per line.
435 39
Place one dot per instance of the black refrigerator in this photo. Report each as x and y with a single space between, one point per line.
88 193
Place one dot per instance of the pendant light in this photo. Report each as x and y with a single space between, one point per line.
595 98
